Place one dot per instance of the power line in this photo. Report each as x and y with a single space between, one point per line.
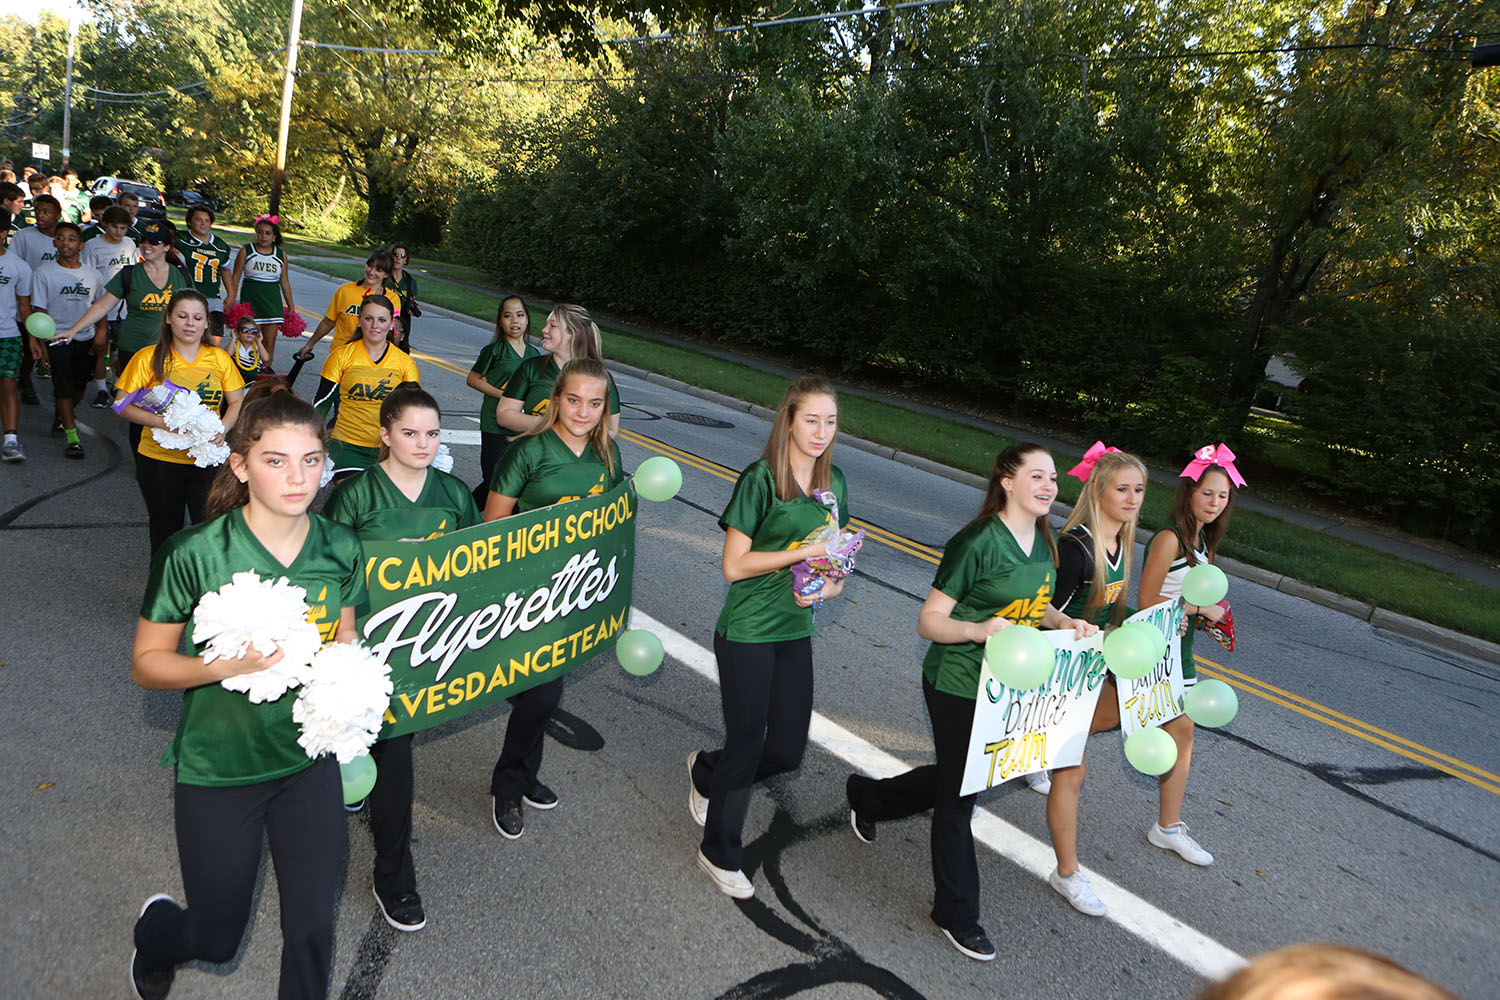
1181 56
361 48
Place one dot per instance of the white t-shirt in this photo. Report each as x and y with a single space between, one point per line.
66 293
107 258
15 279
34 247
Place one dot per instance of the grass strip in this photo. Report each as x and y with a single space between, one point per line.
1335 564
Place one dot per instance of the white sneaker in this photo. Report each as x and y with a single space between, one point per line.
1175 838
1078 891
730 883
697 803
1039 781
11 451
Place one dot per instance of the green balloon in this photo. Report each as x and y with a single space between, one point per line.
1204 584
1211 703
359 778
658 478
639 651
1020 657
41 326
1151 751
1133 649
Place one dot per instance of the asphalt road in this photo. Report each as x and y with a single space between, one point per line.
1323 802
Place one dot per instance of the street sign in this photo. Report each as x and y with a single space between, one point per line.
41 151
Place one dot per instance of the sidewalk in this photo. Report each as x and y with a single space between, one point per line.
1407 548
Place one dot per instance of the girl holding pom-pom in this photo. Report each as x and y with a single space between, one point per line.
240 770
569 454
1094 557
780 513
401 497
184 355
360 375
996 572
1199 520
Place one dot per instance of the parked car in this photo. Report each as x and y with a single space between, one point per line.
152 209
197 199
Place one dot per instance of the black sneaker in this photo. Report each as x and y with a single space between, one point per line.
102 400
74 450
973 942
402 912
540 797
508 818
863 829
151 985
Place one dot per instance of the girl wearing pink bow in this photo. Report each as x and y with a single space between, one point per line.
1200 518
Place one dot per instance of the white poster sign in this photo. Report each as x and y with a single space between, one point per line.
1018 732
1157 697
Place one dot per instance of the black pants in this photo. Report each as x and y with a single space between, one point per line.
390 816
491 447
218 846
170 489
766 689
955 870
521 753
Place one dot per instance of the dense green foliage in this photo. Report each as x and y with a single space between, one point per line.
942 199
1108 217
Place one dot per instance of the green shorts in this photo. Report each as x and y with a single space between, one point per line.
10 357
348 457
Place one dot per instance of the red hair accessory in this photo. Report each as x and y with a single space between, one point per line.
1082 469
274 220
1208 456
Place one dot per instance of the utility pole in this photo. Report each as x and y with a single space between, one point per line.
68 87
293 41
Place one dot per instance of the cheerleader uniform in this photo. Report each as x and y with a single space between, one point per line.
1171 589
241 773
377 510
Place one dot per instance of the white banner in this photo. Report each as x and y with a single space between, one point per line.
1019 732
1157 697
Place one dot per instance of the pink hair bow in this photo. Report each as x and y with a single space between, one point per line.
1082 469
274 220
1208 456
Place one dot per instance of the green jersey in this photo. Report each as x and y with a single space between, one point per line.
532 382
763 608
378 511
222 738
540 471
145 302
1075 576
497 362
985 571
205 261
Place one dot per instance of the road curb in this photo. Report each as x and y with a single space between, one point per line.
1389 621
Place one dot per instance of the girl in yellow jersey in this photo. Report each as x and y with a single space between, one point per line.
184 354
360 375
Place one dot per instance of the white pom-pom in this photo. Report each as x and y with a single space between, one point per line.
343 702
443 459
249 612
193 428
327 472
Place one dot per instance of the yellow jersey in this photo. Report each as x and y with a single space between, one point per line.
363 383
343 310
211 374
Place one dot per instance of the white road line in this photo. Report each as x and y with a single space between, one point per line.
459 435
1156 927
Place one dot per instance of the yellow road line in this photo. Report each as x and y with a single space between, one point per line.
1399 745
